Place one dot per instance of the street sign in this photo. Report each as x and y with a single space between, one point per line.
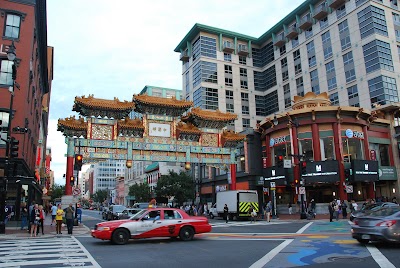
349 189
76 191
302 190
272 184
287 163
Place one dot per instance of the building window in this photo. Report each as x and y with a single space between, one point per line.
312 61
204 46
206 98
309 33
229 94
343 26
204 71
243 84
246 122
334 98
265 80
282 50
228 69
268 104
296 55
13 24
352 149
345 42
372 20
245 109
377 55
243 72
350 75
230 108
306 148
323 23
227 57
3 127
288 102
331 83
330 67
352 92
326 38
285 75
383 90
295 42
328 149
310 47
314 75
283 62
347 58
6 72
244 96
228 82
263 56
314 82
243 60
286 89
297 68
299 82
396 18
341 12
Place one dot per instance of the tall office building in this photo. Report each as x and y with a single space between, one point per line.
349 49
105 174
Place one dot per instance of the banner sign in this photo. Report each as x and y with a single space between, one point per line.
322 171
273 173
365 170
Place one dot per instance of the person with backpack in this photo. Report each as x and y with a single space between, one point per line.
69 217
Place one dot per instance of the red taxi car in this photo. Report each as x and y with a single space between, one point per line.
152 222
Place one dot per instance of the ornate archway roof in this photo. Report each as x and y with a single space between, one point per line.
231 139
91 106
208 118
128 123
160 106
310 100
187 128
71 126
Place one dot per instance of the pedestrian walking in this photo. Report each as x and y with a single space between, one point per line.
226 213
330 208
24 216
34 219
69 217
59 219
42 216
290 206
344 209
253 214
53 210
336 210
268 209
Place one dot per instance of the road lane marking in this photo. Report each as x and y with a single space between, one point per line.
88 255
301 230
270 255
379 258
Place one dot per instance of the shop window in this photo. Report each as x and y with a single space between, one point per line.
281 149
384 155
327 149
352 149
306 148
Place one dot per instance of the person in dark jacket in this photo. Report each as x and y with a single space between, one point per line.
331 210
69 217
226 212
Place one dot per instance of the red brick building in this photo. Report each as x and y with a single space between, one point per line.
24 24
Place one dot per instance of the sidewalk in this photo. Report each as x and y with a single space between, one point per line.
14 232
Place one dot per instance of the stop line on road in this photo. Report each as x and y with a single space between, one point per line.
45 252
246 223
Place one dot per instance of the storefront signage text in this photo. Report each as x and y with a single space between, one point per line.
276 141
354 134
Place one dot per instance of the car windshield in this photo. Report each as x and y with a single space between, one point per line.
138 215
118 208
386 211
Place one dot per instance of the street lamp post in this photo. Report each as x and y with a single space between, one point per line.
11 55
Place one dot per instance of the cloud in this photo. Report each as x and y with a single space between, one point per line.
114 50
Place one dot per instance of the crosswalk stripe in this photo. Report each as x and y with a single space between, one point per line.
54 252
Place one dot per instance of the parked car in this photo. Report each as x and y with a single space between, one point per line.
379 225
369 208
128 213
152 222
114 211
104 213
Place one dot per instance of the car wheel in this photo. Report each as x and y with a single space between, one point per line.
120 236
186 233
211 216
363 241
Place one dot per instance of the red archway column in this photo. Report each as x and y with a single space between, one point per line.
69 174
316 142
233 176
337 140
370 186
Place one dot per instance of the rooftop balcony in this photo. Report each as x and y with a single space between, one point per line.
292 32
335 4
184 56
279 40
306 22
243 50
320 12
228 47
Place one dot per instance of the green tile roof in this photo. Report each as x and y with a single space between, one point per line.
197 28
151 167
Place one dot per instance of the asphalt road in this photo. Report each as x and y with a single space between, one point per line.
245 244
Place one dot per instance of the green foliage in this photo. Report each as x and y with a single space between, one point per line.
180 186
141 192
100 196
57 191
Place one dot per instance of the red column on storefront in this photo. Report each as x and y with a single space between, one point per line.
233 176
267 151
316 142
69 173
337 140
370 186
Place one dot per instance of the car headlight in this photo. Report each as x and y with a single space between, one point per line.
103 228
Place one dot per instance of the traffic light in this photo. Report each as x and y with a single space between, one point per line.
303 167
71 180
14 147
296 182
279 162
78 161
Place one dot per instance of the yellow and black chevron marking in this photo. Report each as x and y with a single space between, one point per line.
245 206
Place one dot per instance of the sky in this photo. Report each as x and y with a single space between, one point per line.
114 49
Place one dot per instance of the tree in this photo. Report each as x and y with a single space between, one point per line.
99 196
141 192
180 186
57 191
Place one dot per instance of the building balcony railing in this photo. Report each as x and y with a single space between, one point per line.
335 4
320 12
292 32
184 56
243 50
280 40
306 22
228 47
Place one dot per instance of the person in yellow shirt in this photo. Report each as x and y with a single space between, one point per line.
59 218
